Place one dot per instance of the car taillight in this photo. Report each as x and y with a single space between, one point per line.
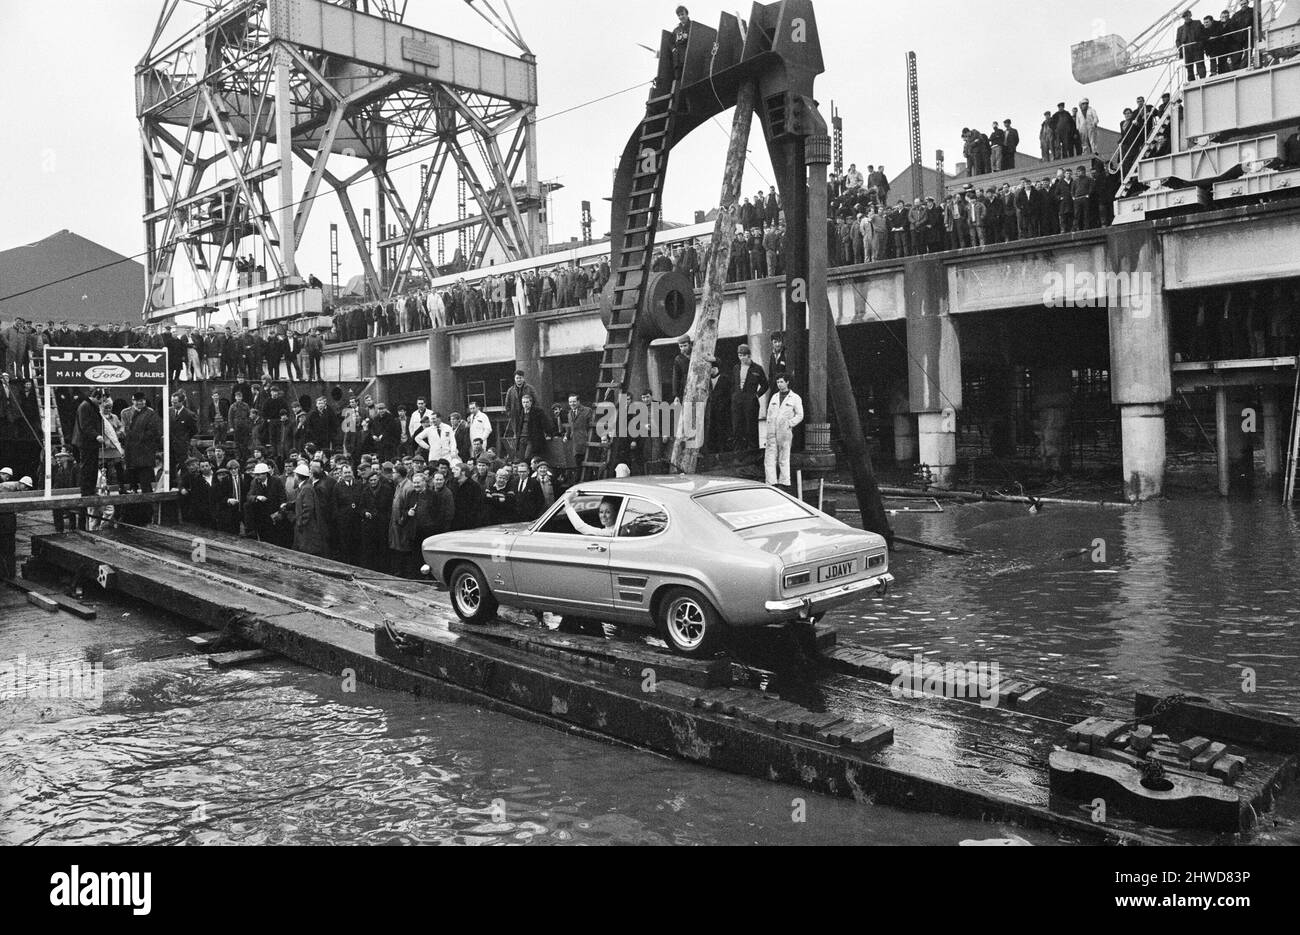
798 578
876 561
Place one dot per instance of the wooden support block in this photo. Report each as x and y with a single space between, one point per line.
824 637
1192 746
1014 691
1030 695
1081 730
1140 738
1201 762
871 737
1103 732
814 724
41 601
242 657
1228 767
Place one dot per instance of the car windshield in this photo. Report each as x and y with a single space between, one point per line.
751 506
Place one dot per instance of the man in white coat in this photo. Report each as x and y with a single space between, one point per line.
784 412
1088 124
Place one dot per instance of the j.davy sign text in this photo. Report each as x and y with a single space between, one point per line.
84 366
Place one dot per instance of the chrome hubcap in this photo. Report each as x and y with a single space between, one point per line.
686 623
467 594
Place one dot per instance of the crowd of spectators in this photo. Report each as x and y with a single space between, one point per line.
1223 44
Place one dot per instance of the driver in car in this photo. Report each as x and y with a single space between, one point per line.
607 511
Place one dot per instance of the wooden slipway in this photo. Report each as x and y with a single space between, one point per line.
842 731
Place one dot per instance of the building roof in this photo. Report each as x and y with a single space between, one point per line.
66 276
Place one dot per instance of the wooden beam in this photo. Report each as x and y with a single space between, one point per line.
43 504
686 454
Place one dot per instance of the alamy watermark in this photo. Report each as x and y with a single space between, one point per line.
918 678
1084 288
24 679
629 418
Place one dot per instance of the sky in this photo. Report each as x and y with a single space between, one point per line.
72 157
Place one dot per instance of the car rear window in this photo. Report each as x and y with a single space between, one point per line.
751 506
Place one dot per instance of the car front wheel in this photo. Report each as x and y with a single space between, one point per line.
689 624
471 597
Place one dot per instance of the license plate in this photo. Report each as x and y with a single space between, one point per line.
836 570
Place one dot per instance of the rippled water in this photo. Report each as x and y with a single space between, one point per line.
1163 596
1186 596
276 754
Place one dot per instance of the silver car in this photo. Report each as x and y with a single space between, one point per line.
688 555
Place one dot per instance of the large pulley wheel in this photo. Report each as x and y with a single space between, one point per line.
668 310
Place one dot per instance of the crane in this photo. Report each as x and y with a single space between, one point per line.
1109 56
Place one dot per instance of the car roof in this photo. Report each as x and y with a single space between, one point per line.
666 485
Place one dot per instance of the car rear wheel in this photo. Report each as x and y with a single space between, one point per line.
689 624
471 597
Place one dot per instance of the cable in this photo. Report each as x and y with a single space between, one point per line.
295 204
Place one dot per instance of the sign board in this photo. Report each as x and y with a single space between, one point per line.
110 369
106 367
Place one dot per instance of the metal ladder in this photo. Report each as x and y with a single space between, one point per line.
631 267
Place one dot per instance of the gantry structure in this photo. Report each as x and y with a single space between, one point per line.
357 93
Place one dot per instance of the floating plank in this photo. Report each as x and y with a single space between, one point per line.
41 601
84 611
239 658
1201 716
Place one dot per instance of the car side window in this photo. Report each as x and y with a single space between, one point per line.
642 518
559 522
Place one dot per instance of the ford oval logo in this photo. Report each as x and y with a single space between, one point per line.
107 373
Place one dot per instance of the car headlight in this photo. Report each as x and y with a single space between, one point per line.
797 579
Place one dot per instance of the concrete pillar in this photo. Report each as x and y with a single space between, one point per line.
1240 451
933 366
443 395
937 445
1222 416
1142 430
904 424
1270 427
528 358
1053 389
1140 379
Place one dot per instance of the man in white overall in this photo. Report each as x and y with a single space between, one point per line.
784 412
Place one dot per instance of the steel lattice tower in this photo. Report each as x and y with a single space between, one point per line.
366 95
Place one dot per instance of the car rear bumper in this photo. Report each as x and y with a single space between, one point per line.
809 603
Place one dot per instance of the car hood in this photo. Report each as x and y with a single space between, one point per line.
799 542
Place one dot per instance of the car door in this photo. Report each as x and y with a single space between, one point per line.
639 555
554 565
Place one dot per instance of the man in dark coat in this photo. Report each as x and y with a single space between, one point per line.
143 443
87 437
748 384
717 410
514 409
1189 38
375 507
311 526
262 516
346 510
383 434
228 497
321 425
534 427
681 367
